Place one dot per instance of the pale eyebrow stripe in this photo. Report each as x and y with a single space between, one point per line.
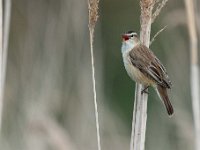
132 34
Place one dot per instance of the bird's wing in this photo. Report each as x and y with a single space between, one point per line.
144 59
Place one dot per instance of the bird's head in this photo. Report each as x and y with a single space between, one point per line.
130 36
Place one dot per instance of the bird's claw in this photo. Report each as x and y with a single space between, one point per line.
145 90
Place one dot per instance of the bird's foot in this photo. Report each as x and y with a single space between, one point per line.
145 90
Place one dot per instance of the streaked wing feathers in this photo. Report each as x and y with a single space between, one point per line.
144 59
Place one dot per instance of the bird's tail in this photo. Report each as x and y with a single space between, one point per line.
162 92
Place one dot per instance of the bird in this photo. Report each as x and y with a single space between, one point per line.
145 68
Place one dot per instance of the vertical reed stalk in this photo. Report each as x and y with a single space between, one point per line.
93 16
194 74
147 17
140 105
5 28
6 31
1 59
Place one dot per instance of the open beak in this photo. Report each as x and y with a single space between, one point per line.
125 37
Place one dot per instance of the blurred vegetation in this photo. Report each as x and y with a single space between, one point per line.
48 96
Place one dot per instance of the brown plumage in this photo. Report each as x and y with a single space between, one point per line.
162 92
145 68
150 72
144 59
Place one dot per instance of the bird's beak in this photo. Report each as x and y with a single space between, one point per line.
125 37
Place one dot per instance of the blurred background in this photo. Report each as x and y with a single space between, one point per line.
48 100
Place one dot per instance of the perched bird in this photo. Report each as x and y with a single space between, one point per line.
145 68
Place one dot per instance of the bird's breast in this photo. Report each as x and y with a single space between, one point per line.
134 73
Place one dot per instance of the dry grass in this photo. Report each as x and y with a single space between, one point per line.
158 9
154 37
93 12
93 16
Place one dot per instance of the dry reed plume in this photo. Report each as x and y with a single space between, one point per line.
93 13
93 16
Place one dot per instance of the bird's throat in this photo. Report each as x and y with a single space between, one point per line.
127 46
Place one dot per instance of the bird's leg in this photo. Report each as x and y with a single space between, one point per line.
145 90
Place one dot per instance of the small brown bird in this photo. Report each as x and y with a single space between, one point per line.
145 68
